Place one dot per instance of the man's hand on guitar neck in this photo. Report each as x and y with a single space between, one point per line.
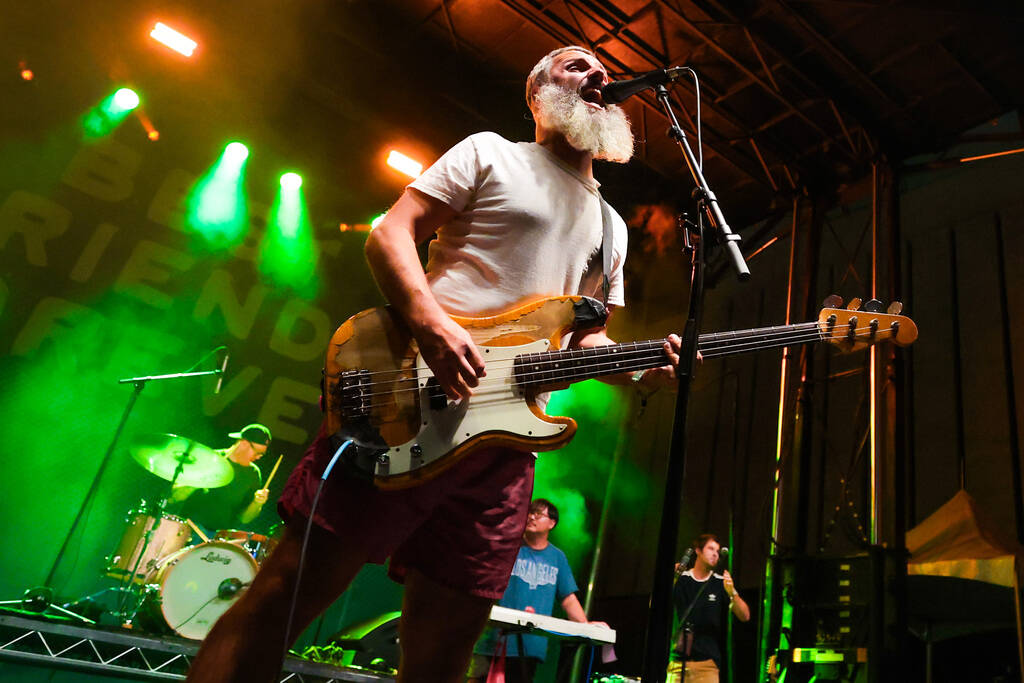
650 379
665 376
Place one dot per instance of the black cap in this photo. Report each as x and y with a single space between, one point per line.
254 433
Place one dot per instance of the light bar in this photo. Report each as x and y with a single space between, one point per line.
404 164
180 43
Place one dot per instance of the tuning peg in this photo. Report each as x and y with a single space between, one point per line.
873 306
895 308
832 301
854 304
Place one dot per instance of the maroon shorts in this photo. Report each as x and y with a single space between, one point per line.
462 529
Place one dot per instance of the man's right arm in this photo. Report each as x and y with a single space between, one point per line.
391 253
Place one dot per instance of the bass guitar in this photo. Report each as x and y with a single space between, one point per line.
381 396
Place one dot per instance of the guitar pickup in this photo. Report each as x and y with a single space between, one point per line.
438 399
353 394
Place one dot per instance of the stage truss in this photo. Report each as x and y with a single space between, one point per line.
60 645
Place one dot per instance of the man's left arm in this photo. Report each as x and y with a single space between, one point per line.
736 605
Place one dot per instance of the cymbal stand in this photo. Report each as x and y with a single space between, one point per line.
158 515
40 599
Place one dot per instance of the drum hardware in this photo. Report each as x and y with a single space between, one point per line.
44 593
178 460
259 546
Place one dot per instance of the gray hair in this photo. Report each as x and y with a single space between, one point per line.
541 72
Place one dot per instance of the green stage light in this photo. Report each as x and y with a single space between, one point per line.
288 254
107 115
217 204
125 100
235 153
291 181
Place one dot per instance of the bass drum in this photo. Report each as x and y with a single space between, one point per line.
197 585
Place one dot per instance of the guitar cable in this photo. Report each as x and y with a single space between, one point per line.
305 543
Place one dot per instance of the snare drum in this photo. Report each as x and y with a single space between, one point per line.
257 545
198 584
170 534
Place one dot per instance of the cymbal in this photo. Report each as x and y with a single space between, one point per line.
202 467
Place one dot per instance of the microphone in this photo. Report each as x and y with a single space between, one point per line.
685 560
228 588
220 375
619 91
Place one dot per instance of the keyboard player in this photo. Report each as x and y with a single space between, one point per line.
541 576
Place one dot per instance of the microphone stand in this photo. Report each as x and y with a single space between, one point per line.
659 623
139 383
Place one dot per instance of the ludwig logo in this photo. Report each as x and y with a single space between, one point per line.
212 557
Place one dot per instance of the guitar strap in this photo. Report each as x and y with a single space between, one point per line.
607 249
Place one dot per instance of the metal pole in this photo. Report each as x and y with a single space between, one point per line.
875 470
602 527
766 601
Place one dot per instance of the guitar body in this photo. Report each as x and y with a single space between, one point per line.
376 383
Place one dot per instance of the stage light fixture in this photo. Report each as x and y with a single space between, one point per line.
125 100
217 203
179 42
235 153
151 132
404 164
288 254
291 181
107 115
26 73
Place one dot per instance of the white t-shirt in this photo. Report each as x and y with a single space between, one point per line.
500 187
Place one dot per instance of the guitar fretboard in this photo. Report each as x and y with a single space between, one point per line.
575 365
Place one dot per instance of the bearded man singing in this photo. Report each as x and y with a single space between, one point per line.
514 222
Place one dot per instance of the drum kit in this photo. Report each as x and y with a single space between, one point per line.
167 583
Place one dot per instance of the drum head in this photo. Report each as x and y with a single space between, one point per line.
201 583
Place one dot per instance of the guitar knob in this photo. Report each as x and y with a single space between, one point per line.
895 308
873 306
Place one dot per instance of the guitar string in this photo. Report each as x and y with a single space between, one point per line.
640 361
641 348
762 334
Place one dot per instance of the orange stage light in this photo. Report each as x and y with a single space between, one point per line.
179 42
404 164
964 160
151 132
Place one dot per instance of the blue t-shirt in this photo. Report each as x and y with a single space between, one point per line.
539 577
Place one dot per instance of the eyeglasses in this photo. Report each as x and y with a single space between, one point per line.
538 513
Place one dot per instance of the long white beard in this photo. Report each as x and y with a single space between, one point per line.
605 133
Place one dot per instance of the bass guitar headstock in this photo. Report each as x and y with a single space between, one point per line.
860 325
